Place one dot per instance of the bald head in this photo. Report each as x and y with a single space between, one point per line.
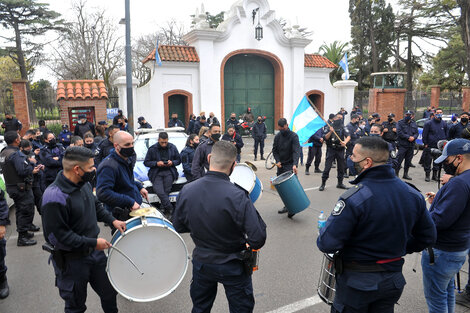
123 144
122 137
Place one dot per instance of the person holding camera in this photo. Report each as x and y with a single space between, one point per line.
222 221
235 139
162 159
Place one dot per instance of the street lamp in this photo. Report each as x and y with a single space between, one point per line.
258 28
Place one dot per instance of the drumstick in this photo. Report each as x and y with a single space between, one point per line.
128 258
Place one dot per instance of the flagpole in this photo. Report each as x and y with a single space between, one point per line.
321 116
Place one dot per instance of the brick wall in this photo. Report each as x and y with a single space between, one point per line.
466 99
98 104
435 96
20 100
386 101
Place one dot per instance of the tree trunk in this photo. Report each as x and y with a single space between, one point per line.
373 47
465 25
409 70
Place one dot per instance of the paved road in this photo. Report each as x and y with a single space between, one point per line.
289 264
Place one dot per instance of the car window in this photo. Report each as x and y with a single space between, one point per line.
141 145
420 123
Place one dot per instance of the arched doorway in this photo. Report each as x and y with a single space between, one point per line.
318 99
180 102
252 78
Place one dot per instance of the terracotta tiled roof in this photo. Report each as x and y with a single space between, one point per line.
316 60
174 54
81 89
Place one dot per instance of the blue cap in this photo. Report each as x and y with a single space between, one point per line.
454 147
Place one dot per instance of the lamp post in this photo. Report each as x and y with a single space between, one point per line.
130 106
258 28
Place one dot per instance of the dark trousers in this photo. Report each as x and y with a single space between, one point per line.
73 281
284 168
3 254
37 193
237 284
24 206
428 159
162 187
404 153
259 142
367 292
314 153
331 155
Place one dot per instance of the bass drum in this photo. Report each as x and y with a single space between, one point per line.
158 252
244 176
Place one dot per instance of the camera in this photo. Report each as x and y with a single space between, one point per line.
437 152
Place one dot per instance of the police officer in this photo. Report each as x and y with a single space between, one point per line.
286 152
143 123
407 132
390 130
116 186
174 121
4 221
187 156
354 133
51 156
70 216
200 162
456 130
337 138
259 135
11 124
83 126
200 123
372 226
65 135
433 131
162 158
314 151
117 117
234 122
18 173
235 139
89 143
105 146
450 211
221 220
26 149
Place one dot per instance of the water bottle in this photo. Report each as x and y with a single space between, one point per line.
321 221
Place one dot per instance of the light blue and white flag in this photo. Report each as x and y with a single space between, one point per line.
305 121
158 60
345 65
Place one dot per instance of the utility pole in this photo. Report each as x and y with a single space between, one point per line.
130 107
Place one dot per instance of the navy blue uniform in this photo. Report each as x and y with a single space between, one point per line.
375 224
390 135
221 219
405 130
187 156
82 129
314 152
64 138
162 178
286 149
190 129
233 122
144 125
455 131
237 139
175 123
104 149
4 221
12 124
198 125
258 133
433 131
335 151
115 184
200 163
51 166
70 216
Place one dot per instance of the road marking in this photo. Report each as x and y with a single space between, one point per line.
299 305
313 188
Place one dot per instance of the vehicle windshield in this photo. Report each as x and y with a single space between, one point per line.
141 145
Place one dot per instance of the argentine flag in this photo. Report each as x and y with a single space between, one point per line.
158 60
345 65
305 121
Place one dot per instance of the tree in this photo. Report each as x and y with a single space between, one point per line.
90 49
334 52
43 96
8 71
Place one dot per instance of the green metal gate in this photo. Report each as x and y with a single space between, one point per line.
249 82
176 104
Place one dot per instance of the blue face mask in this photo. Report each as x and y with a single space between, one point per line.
407 118
438 116
375 135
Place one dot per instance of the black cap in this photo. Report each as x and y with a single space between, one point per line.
140 119
375 115
391 115
80 116
409 112
331 116
65 126
102 123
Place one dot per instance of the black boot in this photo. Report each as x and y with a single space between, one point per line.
255 157
29 235
4 288
23 240
262 157
318 170
322 187
307 167
340 184
434 175
405 175
34 228
282 211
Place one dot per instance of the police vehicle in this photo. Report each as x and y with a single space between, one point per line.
420 124
145 138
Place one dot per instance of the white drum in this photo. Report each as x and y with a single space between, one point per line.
150 261
246 178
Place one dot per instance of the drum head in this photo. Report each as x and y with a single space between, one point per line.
282 178
243 176
159 252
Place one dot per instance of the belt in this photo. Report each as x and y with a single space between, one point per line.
370 267
74 255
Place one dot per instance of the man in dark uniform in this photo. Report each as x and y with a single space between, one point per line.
407 132
18 173
373 225
259 135
143 123
433 131
174 121
222 221
354 133
83 126
4 221
65 135
234 122
450 211
11 124
162 158
314 151
335 151
390 130
200 162
107 145
115 185
286 152
117 117
456 130
70 216
235 139
200 123
51 156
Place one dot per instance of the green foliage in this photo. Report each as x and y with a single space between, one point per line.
334 52
214 20
55 128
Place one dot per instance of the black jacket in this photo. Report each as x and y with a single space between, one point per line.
12 125
104 149
390 135
406 130
286 148
154 155
259 131
70 213
200 159
81 129
237 139
177 123
51 166
197 127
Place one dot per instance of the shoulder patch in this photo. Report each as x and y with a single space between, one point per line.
338 207
351 191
